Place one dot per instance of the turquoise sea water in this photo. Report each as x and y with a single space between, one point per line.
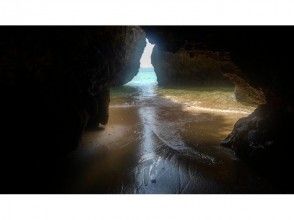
211 99
144 77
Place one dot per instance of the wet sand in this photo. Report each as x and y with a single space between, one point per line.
164 141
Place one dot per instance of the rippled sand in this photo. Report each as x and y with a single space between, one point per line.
164 141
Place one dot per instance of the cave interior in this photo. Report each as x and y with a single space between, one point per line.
57 84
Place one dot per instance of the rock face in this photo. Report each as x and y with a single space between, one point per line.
253 136
54 82
192 67
188 62
259 53
262 140
263 56
244 92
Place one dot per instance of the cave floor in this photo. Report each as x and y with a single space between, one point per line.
154 143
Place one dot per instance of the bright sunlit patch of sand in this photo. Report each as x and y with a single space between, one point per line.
203 106
198 108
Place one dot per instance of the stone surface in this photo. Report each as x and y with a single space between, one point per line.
263 57
244 92
191 67
54 82
263 140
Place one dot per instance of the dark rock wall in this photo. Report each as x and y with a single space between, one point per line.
191 67
264 57
192 57
263 54
263 140
244 92
54 82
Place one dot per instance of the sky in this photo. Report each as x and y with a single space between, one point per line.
146 56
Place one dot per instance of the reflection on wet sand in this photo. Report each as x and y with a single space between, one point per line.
155 144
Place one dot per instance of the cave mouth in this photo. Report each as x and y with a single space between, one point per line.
146 74
160 138
201 113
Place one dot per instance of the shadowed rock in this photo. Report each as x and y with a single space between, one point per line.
263 56
191 67
54 82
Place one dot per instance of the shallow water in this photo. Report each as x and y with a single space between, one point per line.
164 141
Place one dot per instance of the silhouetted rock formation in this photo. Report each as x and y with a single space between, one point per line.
54 82
263 56
262 140
193 61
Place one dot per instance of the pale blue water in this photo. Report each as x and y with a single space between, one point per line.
144 77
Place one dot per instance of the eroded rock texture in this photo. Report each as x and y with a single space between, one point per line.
263 140
264 57
244 92
191 67
54 82
197 59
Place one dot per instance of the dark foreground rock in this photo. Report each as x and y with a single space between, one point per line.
54 82
264 57
263 140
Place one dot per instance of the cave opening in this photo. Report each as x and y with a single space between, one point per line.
170 124
146 74
166 125
161 134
